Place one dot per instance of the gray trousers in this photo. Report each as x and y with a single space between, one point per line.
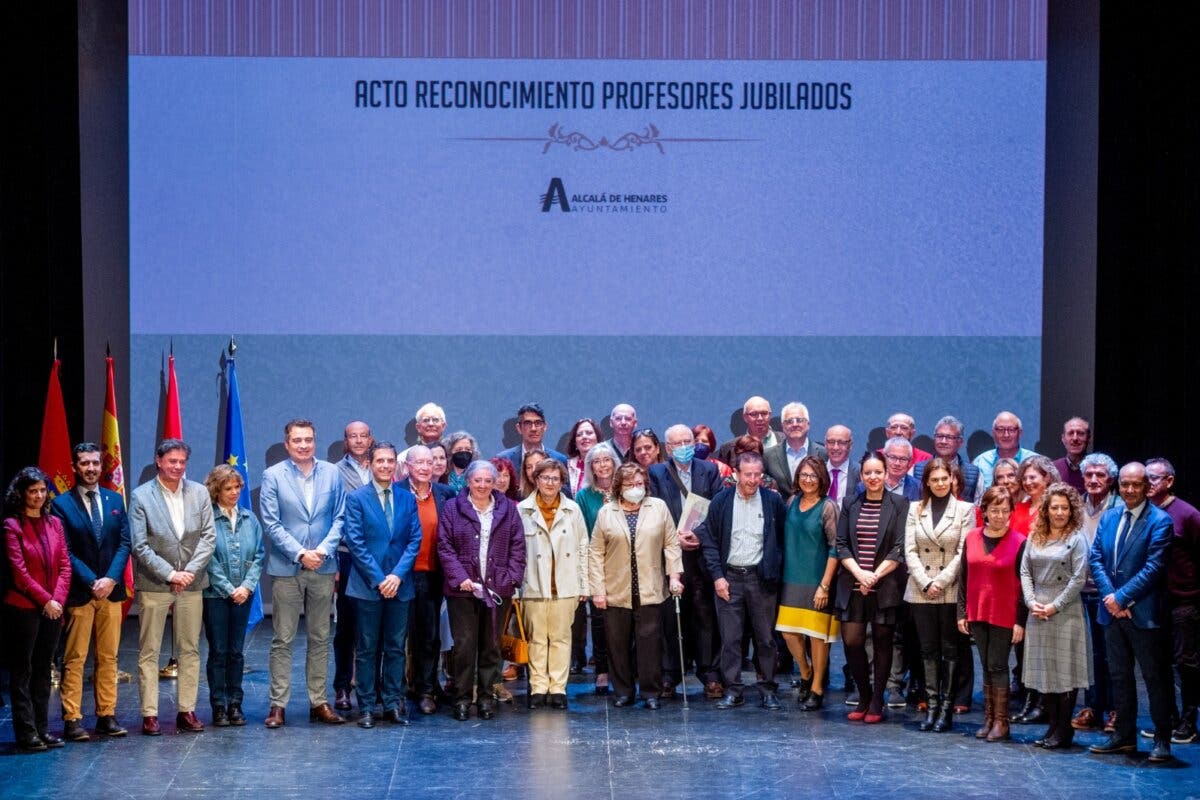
311 593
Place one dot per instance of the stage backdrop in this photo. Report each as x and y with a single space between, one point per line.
673 204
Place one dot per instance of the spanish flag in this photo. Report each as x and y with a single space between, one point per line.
54 454
112 474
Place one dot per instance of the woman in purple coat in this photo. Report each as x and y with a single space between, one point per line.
481 544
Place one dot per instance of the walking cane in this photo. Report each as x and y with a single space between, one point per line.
682 664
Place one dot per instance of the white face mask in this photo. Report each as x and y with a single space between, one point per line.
634 494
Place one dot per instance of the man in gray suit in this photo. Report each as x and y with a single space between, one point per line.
781 460
302 502
172 538
355 469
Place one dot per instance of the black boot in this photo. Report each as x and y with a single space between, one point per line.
1031 712
1049 739
933 688
1066 734
945 719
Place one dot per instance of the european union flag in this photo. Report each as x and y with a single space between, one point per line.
234 454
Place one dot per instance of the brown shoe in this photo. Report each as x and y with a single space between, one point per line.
989 711
323 713
274 717
713 690
342 702
1000 727
150 727
1085 720
510 673
427 704
186 721
1110 722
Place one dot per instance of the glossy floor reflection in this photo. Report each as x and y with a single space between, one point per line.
591 751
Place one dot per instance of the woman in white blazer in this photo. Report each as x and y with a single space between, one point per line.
556 581
933 544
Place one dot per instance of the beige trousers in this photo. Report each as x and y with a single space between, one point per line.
548 626
152 616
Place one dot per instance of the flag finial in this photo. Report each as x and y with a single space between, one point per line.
232 347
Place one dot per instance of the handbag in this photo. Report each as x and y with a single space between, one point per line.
514 649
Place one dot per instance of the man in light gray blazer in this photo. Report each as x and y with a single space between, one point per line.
302 503
172 537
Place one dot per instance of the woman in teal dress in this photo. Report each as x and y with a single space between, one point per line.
809 564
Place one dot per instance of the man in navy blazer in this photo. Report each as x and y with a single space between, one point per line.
742 537
302 503
1128 564
97 530
383 533
672 481
531 424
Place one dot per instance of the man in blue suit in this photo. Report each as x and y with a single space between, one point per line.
1128 563
302 503
672 481
97 529
383 533
531 424
742 537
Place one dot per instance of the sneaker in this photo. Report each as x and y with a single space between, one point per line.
1184 733
894 698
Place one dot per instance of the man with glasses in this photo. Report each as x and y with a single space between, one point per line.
756 413
897 458
1076 436
531 424
623 420
947 439
1183 591
1006 431
430 422
1128 563
424 628
843 471
782 459
904 426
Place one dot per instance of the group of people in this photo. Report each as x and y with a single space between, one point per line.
675 553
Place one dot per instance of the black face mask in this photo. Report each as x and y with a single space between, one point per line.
702 451
462 459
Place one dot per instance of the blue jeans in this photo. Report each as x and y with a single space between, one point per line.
225 628
382 625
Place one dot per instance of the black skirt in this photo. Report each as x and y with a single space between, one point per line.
865 608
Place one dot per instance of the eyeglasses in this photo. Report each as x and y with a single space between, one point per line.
622 417
837 442
1156 478
1005 429
430 420
806 476
533 423
758 414
550 477
898 459
946 437
645 432
795 421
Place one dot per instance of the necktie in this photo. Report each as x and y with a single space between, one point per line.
833 484
97 525
1126 524
387 506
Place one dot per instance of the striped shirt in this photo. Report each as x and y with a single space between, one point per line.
867 533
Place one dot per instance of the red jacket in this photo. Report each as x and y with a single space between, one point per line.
40 567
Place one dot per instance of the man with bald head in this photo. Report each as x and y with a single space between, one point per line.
903 425
756 413
782 460
843 470
1128 563
672 481
1006 432
623 420
1076 436
355 469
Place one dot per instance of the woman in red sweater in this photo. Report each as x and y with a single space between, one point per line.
40 574
989 603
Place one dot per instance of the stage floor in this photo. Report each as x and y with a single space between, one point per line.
592 751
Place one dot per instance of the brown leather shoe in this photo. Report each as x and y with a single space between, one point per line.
188 722
274 717
713 690
510 673
342 701
1110 722
323 713
427 704
1085 720
150 726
